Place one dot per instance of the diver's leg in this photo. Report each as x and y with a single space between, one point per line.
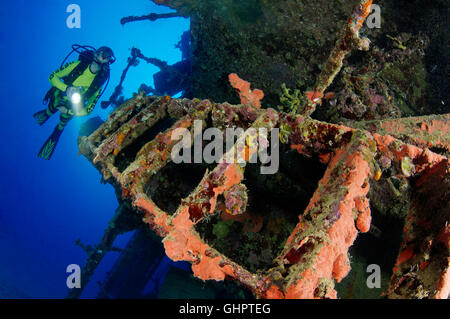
43 115
49 146
64 118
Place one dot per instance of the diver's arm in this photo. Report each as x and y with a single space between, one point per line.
55 77
91 102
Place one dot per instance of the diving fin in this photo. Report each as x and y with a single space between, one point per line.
41 116
49 145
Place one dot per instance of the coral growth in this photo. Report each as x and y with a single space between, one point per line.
247 96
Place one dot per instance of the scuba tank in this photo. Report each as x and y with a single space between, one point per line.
86 56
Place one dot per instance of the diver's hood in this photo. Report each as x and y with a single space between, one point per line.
106 53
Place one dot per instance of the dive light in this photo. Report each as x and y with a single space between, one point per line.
76 100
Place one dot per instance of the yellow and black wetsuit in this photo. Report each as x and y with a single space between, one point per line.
59 99
77 74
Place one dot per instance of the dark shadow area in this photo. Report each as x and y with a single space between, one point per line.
173 183
180 284
253 239
128 154
380 246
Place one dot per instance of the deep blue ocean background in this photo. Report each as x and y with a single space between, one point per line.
47 205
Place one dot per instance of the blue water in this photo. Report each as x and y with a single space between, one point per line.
47 205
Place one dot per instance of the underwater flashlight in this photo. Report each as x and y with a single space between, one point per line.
76 100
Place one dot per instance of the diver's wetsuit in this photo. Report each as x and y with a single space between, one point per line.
92 87
60 99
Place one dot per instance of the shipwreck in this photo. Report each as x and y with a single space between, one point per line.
364 174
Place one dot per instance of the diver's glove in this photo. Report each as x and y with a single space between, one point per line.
71 90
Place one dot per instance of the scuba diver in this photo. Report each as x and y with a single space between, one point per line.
76 88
